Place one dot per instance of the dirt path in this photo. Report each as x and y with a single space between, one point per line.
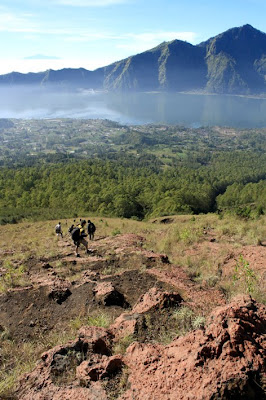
63 287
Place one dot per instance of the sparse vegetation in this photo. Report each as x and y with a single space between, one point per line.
191 250
121 346
12 277
244 275
102 319
163 182
17 359
186 320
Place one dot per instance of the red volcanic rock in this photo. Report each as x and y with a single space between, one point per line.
46 265
227 360
223 361
124 325
55 375
155 298
156 257
107 295
98 340
92 371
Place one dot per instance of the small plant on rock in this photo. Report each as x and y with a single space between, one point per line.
244 275
187 320
198 322
103 320
123 343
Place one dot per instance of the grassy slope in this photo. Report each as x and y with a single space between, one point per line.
37 239
186 241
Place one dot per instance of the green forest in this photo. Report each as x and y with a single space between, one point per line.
141 174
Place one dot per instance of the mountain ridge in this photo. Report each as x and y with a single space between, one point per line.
232 62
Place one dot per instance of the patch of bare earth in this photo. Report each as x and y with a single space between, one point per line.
58 294
142 291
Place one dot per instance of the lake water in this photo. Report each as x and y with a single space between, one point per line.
135 108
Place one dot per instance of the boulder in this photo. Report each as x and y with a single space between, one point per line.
152 301
89 371
107 295
226 360
156 299
60 291
58 375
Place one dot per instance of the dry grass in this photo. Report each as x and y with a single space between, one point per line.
17 359
186 241
121 346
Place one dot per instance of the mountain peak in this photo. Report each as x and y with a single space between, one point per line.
248 26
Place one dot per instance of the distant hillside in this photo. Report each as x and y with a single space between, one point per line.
232 62
66 77
172 65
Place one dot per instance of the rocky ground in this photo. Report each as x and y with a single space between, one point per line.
142 354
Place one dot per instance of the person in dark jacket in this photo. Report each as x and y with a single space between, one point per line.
91 229
81 238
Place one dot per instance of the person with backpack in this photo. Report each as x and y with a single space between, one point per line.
78 234
91 229
58 229
70 229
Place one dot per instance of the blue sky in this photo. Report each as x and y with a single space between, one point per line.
39 34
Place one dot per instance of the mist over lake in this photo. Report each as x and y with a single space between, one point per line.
134 108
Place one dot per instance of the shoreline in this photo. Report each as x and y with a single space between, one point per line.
248 96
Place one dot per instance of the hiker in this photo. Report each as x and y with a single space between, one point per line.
70 229
91 229
58 229
78 234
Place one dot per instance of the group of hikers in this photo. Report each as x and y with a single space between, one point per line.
78 233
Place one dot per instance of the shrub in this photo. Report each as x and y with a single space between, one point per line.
123 343
187 320
244 275
116 232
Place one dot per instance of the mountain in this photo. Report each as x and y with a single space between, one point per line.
232 62
236 61
66 77
175 65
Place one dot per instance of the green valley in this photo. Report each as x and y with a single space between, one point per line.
64 167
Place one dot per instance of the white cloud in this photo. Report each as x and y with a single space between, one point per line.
129 40
137 43
25 23
89 3
9 22
41 57
162 36
30 65
90 37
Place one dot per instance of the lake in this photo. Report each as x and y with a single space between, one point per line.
135 108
